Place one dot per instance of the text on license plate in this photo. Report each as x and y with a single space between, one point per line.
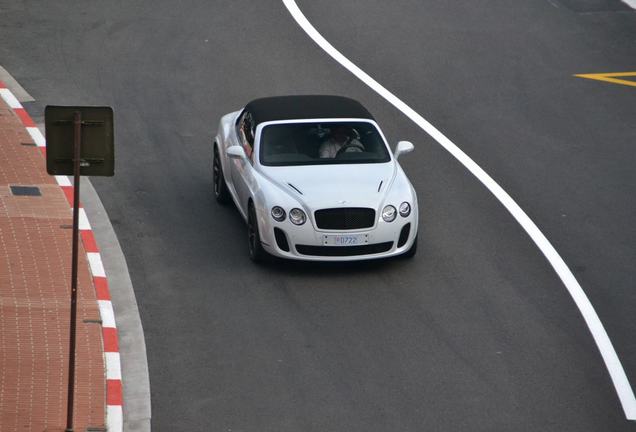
345 240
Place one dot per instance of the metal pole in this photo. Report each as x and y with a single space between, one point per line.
77 143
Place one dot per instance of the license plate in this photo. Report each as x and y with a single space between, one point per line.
345 239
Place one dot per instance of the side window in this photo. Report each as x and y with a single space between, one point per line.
245 129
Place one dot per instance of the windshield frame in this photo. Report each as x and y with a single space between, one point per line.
261 126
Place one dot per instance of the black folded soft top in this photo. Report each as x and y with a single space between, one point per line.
305 107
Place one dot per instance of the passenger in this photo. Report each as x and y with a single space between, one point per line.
341 140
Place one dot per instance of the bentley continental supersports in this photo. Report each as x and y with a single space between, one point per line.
314 179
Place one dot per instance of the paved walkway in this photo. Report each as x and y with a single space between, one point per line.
35 259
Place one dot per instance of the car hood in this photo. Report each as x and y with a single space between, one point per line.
327 186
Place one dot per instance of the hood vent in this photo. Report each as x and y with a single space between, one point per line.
294 188
380 185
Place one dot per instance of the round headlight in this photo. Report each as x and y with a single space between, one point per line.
389 213
297 216
405 209
278 213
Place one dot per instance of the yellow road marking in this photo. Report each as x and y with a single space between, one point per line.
611 77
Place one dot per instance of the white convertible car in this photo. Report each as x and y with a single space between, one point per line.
314 179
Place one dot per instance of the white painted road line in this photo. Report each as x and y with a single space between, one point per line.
37 136
83 223
63 181
95 263
9 98
113 365
631 3
612 362
107 313
114 417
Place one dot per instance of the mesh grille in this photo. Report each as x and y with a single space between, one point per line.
345 218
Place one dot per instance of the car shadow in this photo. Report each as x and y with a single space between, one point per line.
318 268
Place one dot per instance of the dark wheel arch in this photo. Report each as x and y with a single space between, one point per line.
221 192
255 247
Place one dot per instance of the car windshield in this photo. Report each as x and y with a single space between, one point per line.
316 143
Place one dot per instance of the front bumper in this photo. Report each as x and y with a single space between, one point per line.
305 242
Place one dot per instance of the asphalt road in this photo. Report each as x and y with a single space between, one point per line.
476 333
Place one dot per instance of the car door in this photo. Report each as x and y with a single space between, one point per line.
243 169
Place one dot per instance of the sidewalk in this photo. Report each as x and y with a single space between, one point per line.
35 261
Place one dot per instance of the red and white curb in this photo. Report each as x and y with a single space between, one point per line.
114 400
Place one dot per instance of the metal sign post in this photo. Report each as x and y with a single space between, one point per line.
77 144
91 153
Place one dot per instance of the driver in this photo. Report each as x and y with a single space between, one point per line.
338 142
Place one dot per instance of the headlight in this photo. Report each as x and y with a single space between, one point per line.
389 213
278 213
297 216
405 209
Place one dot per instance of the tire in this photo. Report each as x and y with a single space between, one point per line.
412 250
255 248
221 193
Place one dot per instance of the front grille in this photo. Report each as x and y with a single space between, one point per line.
345 218
344 250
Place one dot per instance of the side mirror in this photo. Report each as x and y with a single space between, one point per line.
236 152
403 147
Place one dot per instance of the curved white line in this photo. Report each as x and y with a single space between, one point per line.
631 3
612 362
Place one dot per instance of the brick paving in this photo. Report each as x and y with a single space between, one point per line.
35 260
